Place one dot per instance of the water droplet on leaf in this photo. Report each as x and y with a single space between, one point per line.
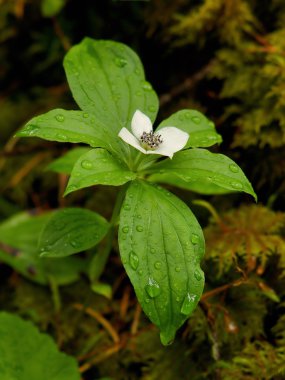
233 168
120 62
134 260
157 265
85 115
152 288
146 86
236 185
196 119
125 229
139 228
188 304
60 118
86 164
198 275
194 239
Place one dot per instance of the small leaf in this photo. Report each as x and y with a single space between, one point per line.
71 230
102 289
98 167
196 165
202 132
51 8
19 237
161 245
27 354
71 126
107 79
65 163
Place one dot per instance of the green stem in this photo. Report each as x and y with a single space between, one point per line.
99 261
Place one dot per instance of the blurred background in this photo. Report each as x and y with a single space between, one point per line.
225 58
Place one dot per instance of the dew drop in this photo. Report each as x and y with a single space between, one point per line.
33 131
194 239
125 229
152 288
60 118
85 115
147 300
86 164
74 243
146 86
152 108
198 275
61 137
127 207
233 168
177 299
138 93
157 265
188 304
196 119
177 269
72 188
139 228
134 260
188 115
236 185
152 250
140 272
120 62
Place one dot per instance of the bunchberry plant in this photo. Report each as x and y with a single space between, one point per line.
160 241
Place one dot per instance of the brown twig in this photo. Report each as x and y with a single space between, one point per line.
99 318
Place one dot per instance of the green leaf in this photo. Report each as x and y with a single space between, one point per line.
200 165
98 167
19 237
50 8
202 132
71 126
107 79
71 230
200 187
161 245
65 163
102 289
27 354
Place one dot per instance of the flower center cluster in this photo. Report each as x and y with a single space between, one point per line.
150 140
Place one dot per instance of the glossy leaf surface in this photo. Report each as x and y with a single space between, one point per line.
71 230
107 79
199 165
202 132
98 167
71 126
161 245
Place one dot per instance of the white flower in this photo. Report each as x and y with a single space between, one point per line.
166 141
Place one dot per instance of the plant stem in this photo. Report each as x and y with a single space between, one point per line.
99 261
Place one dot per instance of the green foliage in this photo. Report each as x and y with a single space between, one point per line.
202 132
50 8
27 353
70 231
98 167
160 257
202 166
19 237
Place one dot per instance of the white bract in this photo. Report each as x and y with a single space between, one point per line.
166 141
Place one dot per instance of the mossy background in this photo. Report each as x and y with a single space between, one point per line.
225 58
